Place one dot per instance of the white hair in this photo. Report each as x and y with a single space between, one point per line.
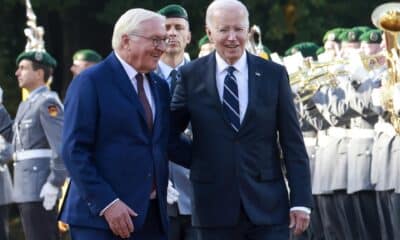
129 22
220 4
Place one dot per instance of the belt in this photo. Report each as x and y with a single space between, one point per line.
361 133
31 154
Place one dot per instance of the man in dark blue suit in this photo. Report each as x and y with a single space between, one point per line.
115 138
242 113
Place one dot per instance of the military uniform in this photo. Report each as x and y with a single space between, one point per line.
36 142
39 172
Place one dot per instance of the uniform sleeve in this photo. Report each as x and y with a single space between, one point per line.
52 119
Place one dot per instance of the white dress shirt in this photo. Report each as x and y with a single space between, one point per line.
131 72
166 70
242 78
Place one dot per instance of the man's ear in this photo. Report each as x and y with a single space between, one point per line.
208 32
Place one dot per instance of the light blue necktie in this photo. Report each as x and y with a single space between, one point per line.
231 99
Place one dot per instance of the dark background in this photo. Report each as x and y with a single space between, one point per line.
74 24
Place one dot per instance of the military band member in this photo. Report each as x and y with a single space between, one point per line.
39 171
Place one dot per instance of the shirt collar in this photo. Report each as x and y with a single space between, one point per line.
130 71
35 92
239 65
166 69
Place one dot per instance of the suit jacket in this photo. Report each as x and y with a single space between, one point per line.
107 147
230 169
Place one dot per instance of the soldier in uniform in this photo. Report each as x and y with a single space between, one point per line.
5 178
39 171
83 59
205 46
179 186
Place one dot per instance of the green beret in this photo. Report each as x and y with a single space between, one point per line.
372 36
362 28
350 35
39 57
203 41
320 50
87 55
333 35
174 11
307 49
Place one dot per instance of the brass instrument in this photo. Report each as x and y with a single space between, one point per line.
315 75
387 18
254 43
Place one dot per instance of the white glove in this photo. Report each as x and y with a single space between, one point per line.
172 193
49 193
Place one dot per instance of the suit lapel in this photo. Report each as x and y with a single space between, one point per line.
123 82
254 76
211 86
211 82
157 102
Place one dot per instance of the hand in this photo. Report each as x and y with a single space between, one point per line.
118 217
172 193
299 221
49 193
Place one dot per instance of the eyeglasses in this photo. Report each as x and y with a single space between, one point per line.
155 40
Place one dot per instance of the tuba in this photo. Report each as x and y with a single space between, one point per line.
387 18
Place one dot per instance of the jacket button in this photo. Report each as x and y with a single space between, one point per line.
34 168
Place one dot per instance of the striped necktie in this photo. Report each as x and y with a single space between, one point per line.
231 99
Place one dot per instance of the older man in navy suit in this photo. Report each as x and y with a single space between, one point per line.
115 138
242 113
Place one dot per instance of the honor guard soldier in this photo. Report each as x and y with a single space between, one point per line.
39 171
179 191
83 59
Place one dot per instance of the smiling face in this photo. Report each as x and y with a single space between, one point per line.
228 30
139 49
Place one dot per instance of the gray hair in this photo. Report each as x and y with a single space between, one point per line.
219 4
129 22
